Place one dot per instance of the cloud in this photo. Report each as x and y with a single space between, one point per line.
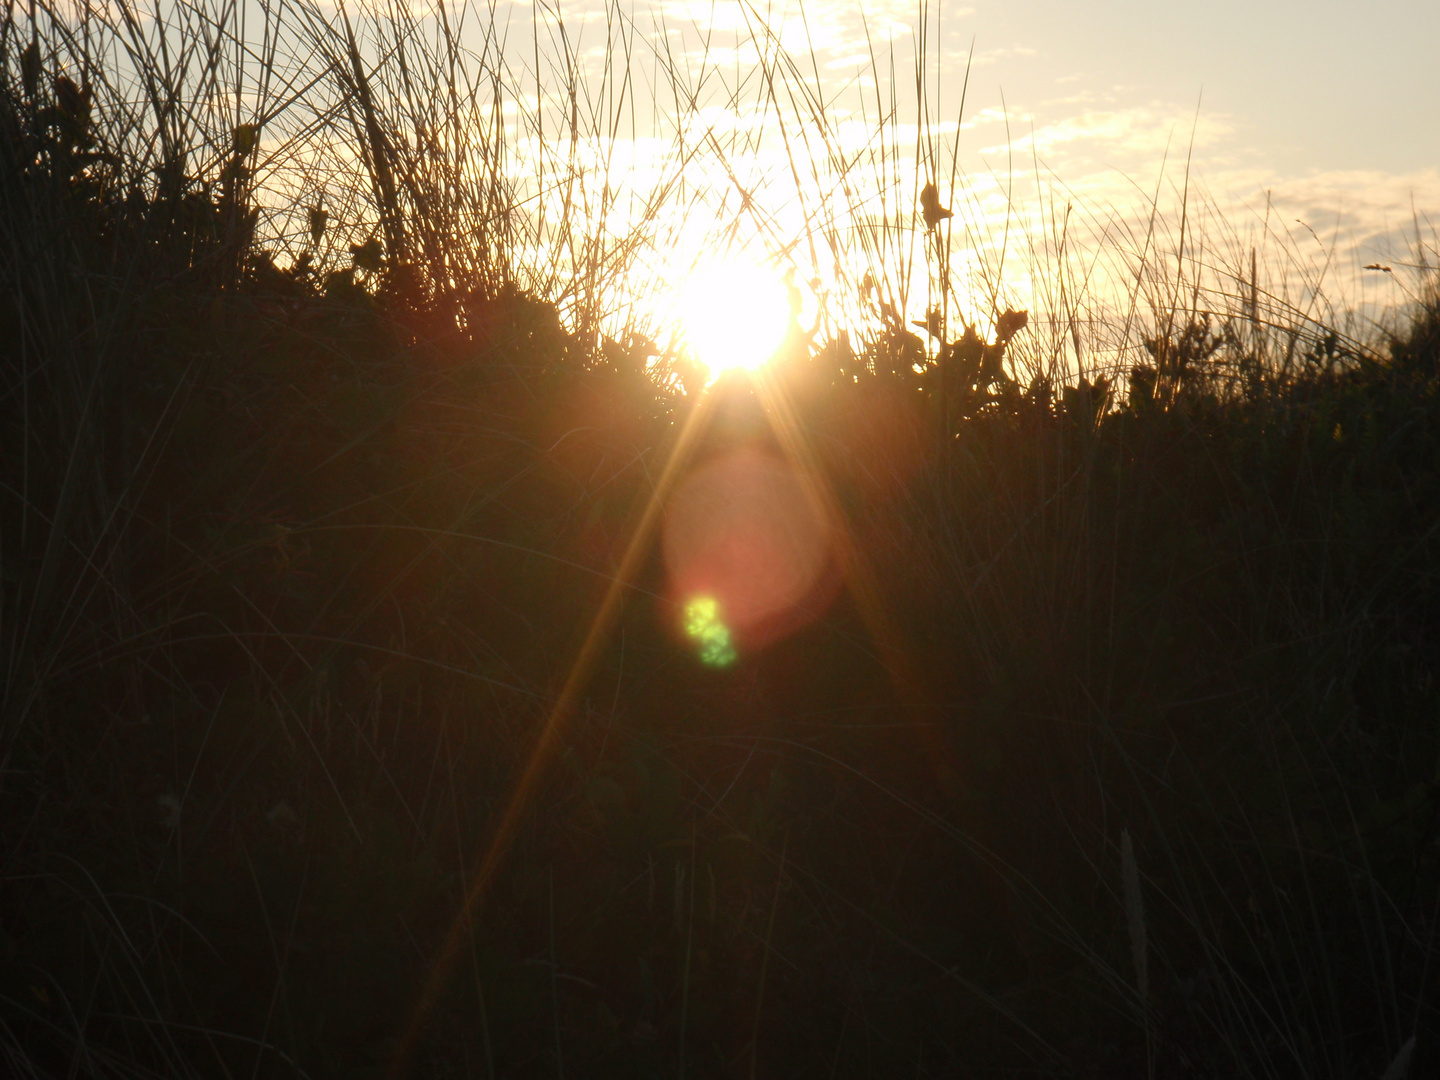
1137 132
988 57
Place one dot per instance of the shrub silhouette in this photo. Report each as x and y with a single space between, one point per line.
295 554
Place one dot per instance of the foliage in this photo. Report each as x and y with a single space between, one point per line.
295 555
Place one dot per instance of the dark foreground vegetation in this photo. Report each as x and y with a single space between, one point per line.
1137 775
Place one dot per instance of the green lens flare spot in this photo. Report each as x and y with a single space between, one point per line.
711 636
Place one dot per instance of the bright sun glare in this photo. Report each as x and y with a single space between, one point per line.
735 316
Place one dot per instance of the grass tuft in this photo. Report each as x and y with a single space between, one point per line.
339 369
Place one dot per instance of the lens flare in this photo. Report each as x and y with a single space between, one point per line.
742 539
735 316
711 636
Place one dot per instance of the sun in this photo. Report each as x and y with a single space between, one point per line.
734 316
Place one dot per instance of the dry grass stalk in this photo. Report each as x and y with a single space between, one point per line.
1135 917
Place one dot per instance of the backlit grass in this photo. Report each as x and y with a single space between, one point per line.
351 720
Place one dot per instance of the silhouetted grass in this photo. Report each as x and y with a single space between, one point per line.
323 432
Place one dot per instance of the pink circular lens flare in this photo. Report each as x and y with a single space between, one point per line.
744 531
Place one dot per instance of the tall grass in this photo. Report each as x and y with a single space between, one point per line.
339 369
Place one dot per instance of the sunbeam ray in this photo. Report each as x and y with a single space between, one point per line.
540 757
855 569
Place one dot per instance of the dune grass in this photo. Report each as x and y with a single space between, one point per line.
336 381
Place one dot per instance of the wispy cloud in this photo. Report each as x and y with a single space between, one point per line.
1145 130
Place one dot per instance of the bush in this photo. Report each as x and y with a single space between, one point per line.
1115 755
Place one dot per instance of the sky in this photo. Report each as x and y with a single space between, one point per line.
1328 110
1292 87
1335 106
1308 130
